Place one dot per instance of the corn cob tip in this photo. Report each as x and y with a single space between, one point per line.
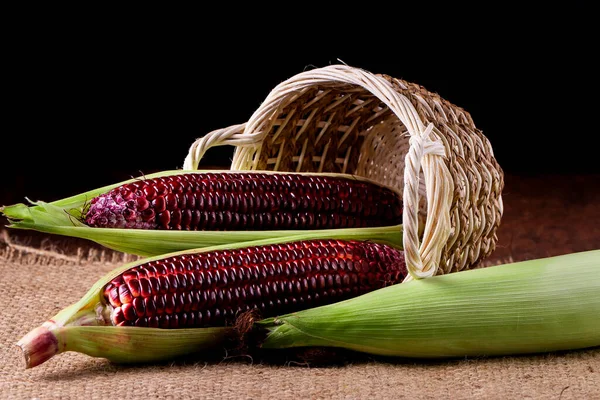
38 346
115 211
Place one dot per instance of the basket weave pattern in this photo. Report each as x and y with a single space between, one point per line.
477 207
347 120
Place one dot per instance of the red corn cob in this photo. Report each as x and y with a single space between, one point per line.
212 288
246 201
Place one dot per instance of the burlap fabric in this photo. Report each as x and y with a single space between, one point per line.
42 274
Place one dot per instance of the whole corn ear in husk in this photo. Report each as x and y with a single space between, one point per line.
179 303
177 210
540 305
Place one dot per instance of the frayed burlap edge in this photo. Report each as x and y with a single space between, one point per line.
20 248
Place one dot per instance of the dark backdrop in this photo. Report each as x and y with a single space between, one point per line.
93 103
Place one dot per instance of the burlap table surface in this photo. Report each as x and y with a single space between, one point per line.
38 279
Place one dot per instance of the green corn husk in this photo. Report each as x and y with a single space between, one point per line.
534 306
62 217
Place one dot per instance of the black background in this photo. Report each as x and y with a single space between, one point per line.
93 101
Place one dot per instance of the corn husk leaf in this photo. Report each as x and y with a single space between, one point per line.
540 305
63 217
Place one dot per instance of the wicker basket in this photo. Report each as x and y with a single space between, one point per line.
347 120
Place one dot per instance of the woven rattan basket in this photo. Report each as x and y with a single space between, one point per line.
347 120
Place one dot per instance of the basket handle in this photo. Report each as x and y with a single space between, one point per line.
233 135
422 259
